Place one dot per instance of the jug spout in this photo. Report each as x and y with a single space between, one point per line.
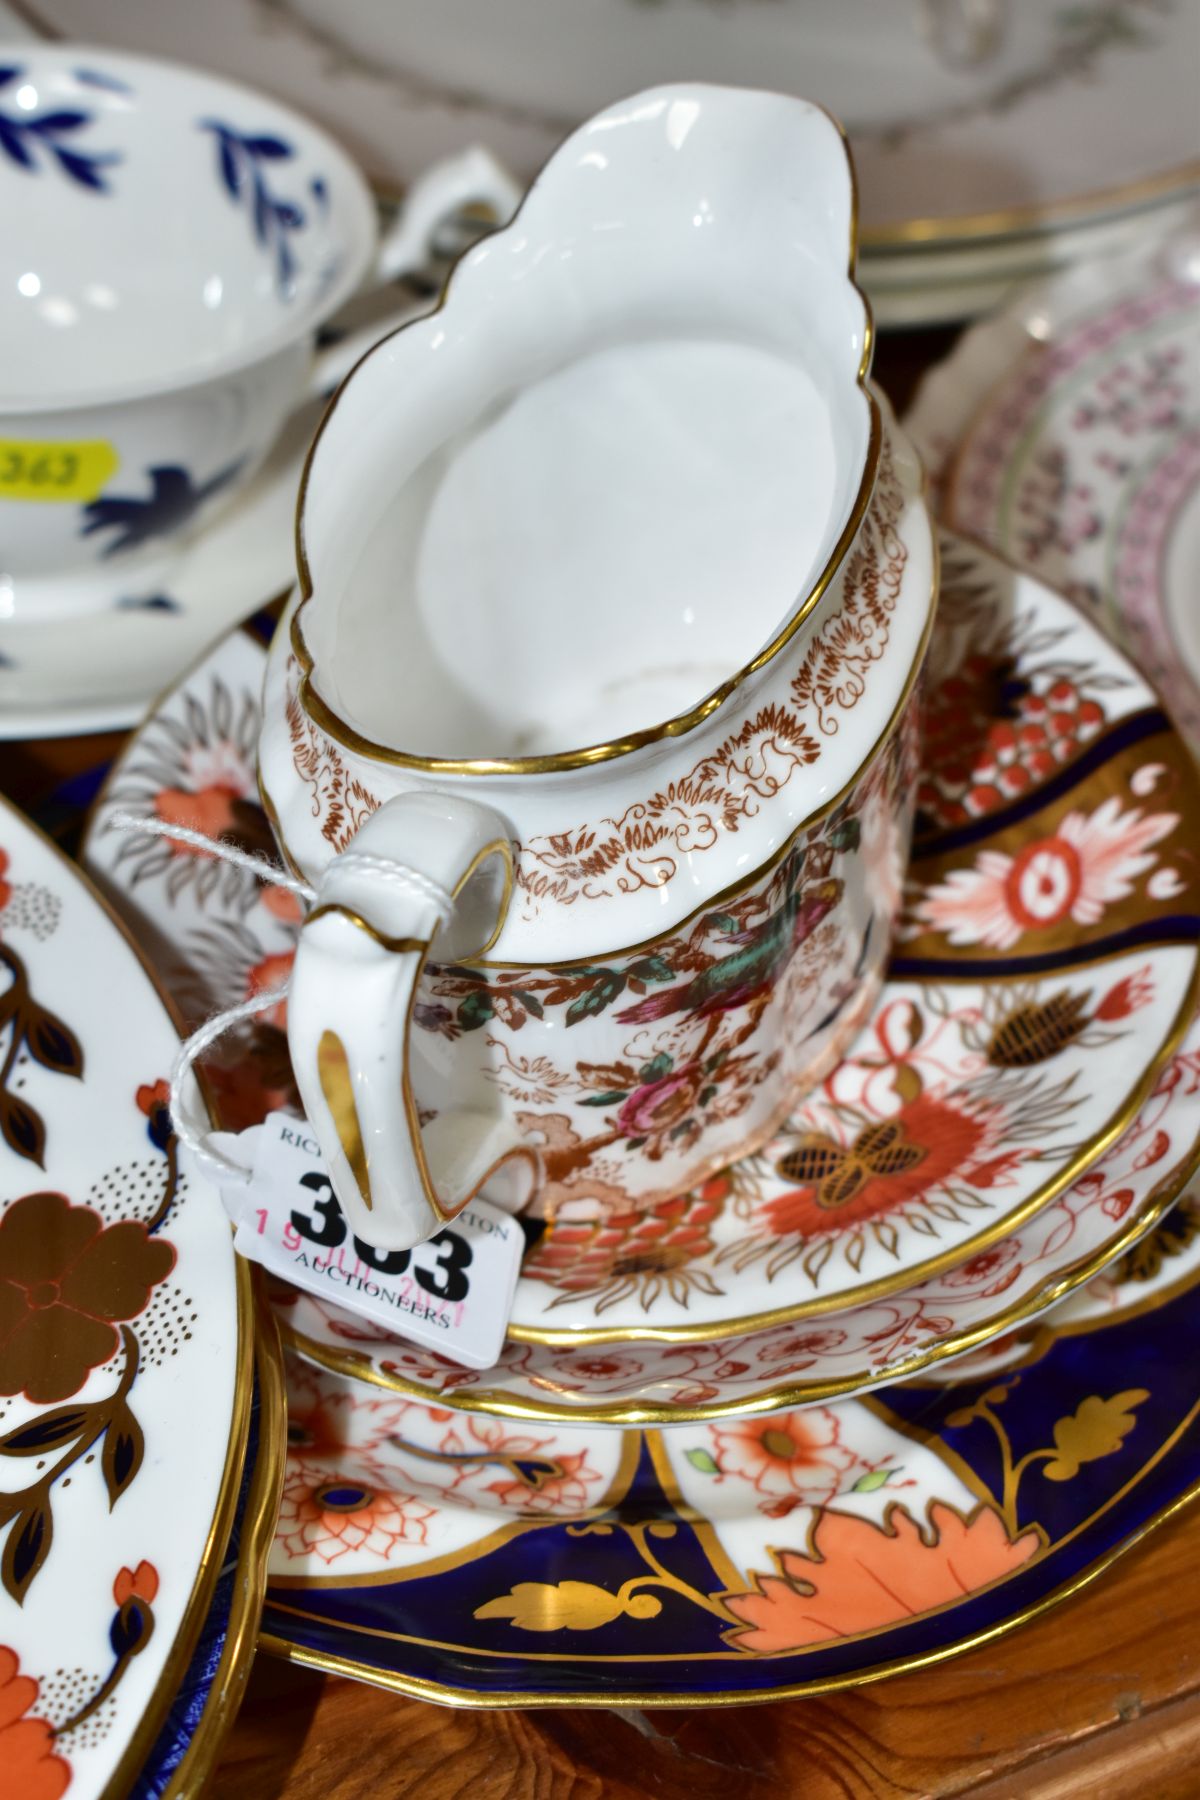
566 514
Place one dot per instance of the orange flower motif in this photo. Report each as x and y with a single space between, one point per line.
29 1766
1090 863
267 975
889 1162
210 811
66 1281
332 1510
142 1581
149 1098
786 1456
1131 992
858 1575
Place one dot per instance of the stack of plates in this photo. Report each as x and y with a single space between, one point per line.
726 1451
994 139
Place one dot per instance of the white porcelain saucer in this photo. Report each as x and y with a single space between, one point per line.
100 671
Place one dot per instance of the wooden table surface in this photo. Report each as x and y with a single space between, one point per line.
1099 1698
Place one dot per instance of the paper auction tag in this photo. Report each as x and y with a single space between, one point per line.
452 1293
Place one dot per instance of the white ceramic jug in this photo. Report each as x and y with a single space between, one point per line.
592 719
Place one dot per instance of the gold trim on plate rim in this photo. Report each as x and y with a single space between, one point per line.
1155 1207
419 1687
929 232
1048 1333
199 1600
254 1546
914 1433
141 1741
416 1688
1045 219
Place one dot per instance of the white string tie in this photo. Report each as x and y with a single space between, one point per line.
382 868
241 859
190 1132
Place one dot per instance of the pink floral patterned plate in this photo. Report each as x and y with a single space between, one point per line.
1045 971
125 1348
1065 432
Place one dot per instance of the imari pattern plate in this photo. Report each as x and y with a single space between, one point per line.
487 1563
125 1347
957 1173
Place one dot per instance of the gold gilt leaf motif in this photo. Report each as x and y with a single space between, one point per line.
1096 1428
1177 1231
1034 1033
838 1173
907 1084
566 1606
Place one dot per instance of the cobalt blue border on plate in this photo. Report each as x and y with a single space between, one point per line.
423 1633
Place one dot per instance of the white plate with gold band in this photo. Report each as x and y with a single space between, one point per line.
970 120
125 1345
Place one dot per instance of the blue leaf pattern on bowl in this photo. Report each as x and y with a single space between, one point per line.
28 139
242 161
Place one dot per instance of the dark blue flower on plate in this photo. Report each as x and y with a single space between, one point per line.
28 139
243 162
174 497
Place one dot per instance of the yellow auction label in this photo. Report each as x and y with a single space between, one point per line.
54 471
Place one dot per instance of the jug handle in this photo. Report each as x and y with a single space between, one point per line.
473 181
425 866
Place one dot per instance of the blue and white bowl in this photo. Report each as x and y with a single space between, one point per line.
173 242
